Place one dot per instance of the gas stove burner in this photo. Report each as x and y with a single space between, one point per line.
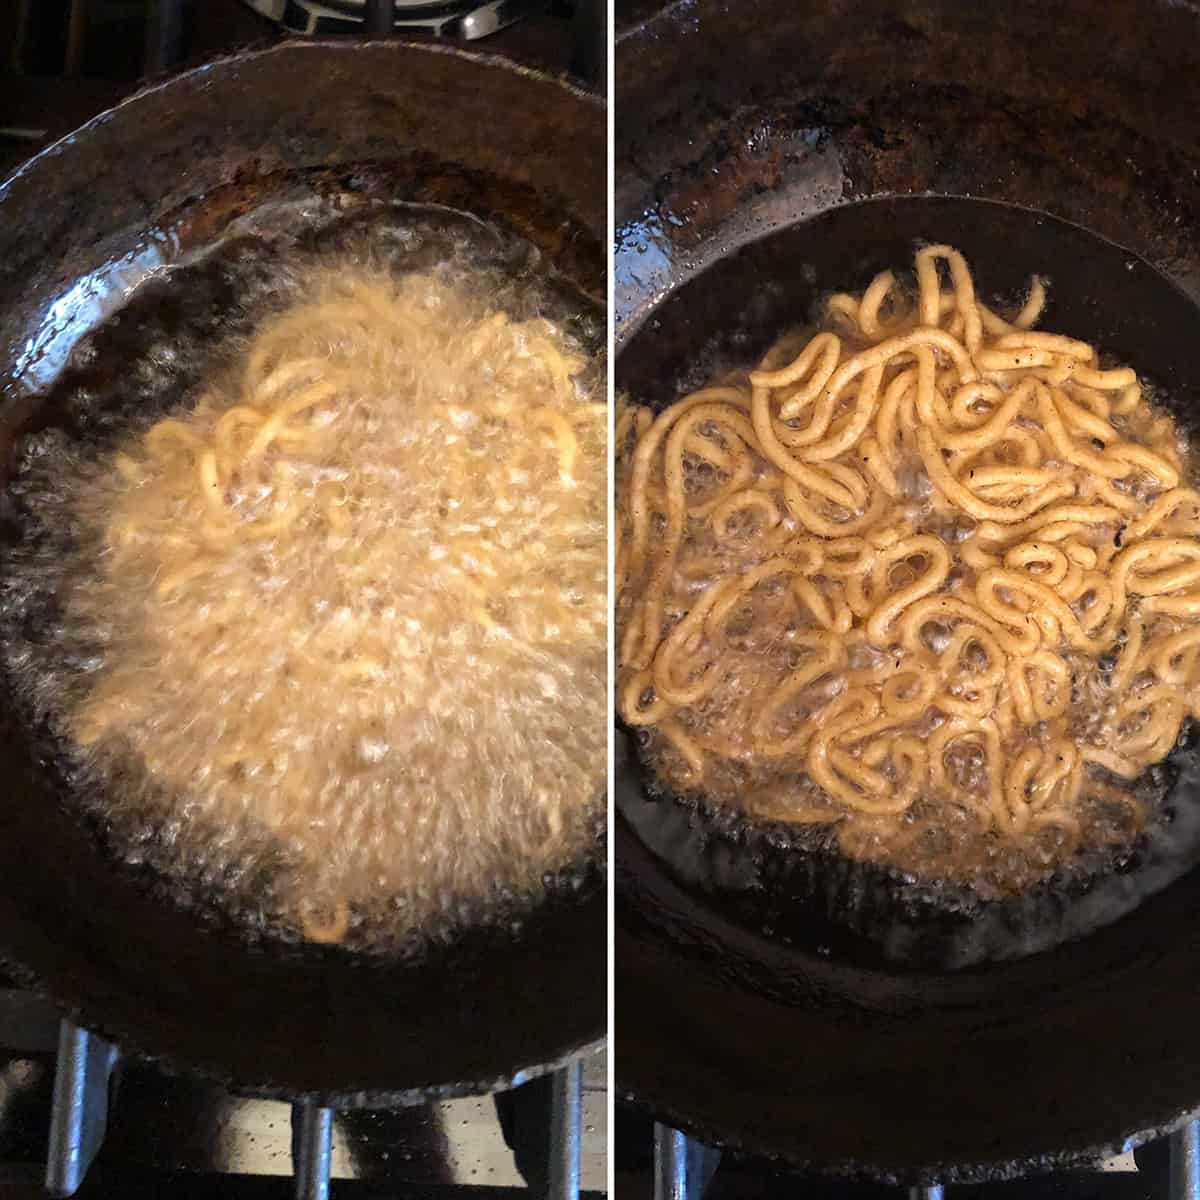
464 20
547 1133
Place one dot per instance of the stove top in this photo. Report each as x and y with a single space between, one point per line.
654 1162
78 1119
464 20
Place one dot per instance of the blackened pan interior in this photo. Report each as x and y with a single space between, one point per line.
148 184
790 883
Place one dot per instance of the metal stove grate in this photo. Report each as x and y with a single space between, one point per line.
84 1068
684 1169
78 1117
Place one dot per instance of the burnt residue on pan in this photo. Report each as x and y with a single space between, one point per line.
252 204
737 120
825 103
151 186
92 198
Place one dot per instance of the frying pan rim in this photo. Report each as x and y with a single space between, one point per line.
132 1044
128 1039
297 46
661 14
629 325
849 1170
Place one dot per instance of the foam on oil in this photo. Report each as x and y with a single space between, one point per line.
391 707
948 897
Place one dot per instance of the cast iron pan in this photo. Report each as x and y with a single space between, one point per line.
801 1050
160 177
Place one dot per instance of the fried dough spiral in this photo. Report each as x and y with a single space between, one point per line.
355 595
929 569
